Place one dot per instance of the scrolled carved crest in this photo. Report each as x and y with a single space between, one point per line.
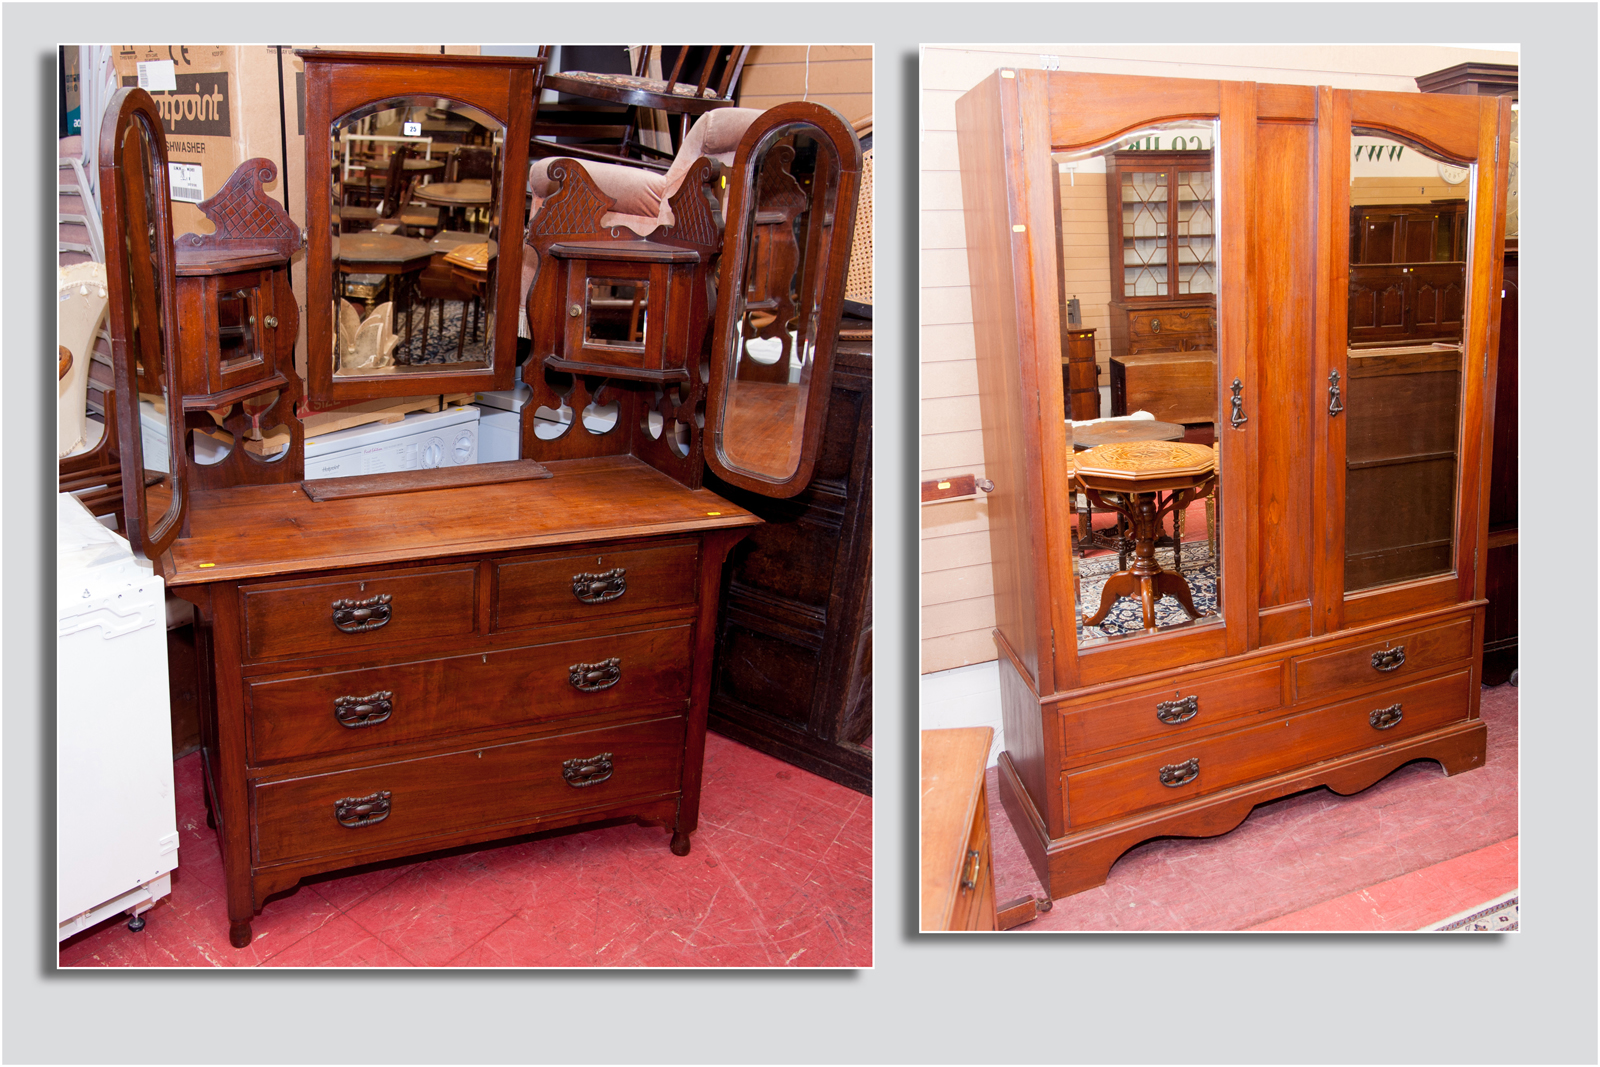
576 207
246 218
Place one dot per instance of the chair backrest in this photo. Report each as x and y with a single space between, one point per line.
79 236
722 62
470 164
397 187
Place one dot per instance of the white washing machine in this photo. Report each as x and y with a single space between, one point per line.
422 440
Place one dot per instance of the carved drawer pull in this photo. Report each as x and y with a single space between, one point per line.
1383 718
593 677
599 588
362 811
355 712
969 875
1173 712
1176 774
359 616
1389 659
591 770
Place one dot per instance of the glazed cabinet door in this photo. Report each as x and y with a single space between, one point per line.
1098 576
1411 340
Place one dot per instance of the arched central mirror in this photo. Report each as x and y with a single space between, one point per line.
139 278
1137 282
414 257
791 215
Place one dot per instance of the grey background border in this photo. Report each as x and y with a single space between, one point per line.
1524 998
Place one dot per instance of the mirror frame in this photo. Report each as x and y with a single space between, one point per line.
829 126
338 83
149 538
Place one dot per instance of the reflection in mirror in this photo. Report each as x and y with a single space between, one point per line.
236 328
616 312
415 185
1410 223
790 221
1136 242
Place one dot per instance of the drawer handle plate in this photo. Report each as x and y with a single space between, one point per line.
599 588
1155 325
591 770
1175 774
969 874
593 677
1389 659
356 812
1384 718
1173 712
356 712
359 616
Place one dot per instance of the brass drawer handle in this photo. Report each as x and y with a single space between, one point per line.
1175 774
1389 659
593 677
1173 712
1384 718
599 588
356 812
591 770
356 712
969 875
1155 325
359 616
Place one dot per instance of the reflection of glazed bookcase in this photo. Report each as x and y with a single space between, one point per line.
1407 264
1301 679
1161 211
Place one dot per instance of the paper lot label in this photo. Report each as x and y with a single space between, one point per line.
199 107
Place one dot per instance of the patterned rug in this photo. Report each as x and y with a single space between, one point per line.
1127 617
442 340
1498 916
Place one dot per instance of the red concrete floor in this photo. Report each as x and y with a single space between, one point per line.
780 875
1415 847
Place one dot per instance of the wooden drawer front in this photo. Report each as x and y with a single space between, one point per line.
534 591
304 618
407 702
470 790
974 905
1170 328
1187 709
1209 764
1330 674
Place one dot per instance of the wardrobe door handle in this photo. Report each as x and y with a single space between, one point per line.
1176 774
359 616
356 812
1238 418
1335 405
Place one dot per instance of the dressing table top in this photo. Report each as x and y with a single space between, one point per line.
263 530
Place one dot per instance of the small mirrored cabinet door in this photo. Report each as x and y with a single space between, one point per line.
413 279
1423 185
142 318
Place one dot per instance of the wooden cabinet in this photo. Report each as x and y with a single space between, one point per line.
794 639
957 867
1172 386
1161 214
1407 272
1340 606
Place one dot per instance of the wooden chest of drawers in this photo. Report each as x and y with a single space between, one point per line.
427 694
1172 386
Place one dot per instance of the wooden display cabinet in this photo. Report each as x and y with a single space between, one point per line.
1161 212
1302 669
401 663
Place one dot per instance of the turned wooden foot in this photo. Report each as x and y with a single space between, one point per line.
680 843
239 934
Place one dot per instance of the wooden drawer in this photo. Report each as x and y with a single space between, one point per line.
530 592
352 710
1153 329
304 618
1207 765
1331 674
974 904
1197 708
476 789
